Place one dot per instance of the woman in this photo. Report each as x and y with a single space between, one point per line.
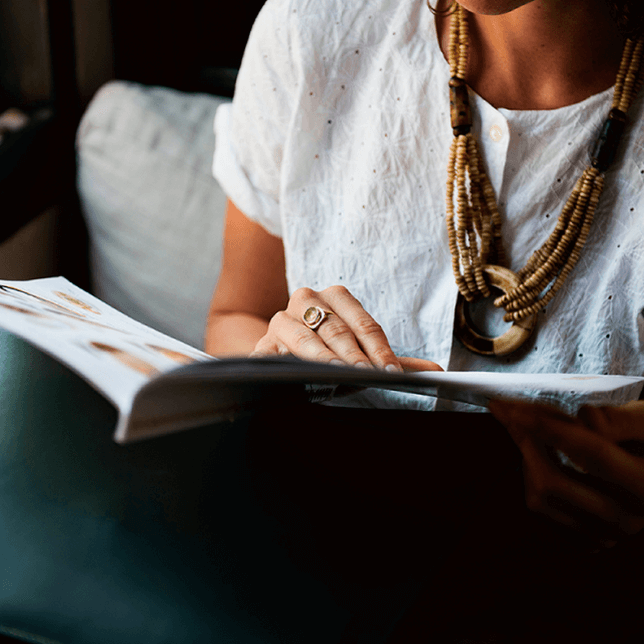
335 157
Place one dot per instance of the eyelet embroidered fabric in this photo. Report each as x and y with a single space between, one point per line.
337 141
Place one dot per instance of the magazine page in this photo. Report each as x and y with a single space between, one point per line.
206 392
114 353
160 385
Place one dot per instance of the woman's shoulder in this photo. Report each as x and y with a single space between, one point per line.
334 25
317 17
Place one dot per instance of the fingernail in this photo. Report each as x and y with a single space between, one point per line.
337 363
363 365
392 368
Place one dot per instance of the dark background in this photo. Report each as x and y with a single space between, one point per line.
63 50
55 54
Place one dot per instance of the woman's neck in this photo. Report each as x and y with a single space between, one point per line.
544 55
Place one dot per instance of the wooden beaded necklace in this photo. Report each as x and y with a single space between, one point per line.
470 197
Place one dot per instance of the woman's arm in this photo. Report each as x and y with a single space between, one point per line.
251 288
251 311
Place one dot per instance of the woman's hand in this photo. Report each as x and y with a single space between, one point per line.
252 286
348 335
601 492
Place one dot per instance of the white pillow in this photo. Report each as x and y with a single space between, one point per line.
154 212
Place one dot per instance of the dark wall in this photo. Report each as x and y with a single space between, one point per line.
25 60
54 50
187 45
69 48
55 54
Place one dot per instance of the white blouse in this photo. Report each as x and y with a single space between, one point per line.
337 141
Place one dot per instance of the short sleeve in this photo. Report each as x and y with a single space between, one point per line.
252 131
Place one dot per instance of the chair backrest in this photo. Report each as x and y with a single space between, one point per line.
153 210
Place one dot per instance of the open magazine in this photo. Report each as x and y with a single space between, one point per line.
160 385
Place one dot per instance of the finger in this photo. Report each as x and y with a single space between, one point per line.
418 364
602 458
338 336
267 346
368 333
618 424
594 453
553 512
520 418
527 423
298 339
334 331
551 492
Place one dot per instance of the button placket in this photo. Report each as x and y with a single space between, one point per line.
493 135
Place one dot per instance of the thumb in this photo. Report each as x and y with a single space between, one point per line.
617 424
523 419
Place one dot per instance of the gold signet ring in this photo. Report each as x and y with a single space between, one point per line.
314 316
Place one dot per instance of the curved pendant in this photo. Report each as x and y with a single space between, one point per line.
503 279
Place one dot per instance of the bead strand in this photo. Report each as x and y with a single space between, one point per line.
547 271
560 261
472 211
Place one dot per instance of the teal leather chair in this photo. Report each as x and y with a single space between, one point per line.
157 542
185 538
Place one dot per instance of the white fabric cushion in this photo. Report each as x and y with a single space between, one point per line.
154 212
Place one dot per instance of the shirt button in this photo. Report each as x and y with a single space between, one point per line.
496 133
